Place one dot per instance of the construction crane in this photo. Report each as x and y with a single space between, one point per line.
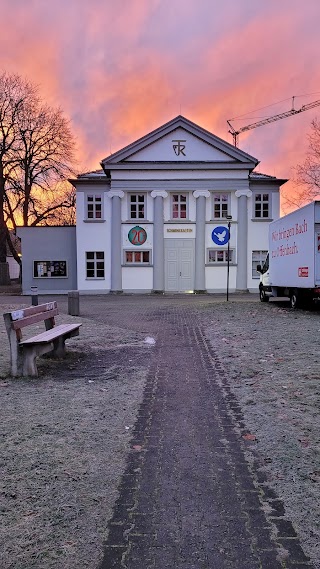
235 133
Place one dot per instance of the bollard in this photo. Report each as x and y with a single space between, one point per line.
34 295
73 303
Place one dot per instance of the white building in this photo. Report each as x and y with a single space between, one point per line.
154 219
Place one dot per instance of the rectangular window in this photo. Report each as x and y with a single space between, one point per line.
218 256
262 206
137 206
220 206
49 269
95 264
179 206
258 258
94 206
137 257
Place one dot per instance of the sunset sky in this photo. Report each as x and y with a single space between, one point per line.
121 68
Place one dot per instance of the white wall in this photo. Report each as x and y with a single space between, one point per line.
93 236
216 278
258 235
148 244
14 268
137 279
96 236
168 174
216 275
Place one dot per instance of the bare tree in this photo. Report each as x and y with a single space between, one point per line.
307 174
36 156
46 158
13 93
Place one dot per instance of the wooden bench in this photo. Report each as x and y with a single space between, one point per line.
24 352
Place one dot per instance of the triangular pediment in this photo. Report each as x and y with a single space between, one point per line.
180 140
179 145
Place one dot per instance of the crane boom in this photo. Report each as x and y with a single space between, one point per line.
235 133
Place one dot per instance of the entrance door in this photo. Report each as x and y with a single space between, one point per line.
179 265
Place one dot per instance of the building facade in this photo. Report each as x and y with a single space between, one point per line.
49 259
158 215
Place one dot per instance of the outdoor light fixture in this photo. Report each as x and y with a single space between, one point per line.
229 218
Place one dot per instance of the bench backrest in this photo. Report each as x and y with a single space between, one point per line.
33 314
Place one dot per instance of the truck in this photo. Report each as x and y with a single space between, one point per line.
292 267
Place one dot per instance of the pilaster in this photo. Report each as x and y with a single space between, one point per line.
242 240
116 271
158 240
200 250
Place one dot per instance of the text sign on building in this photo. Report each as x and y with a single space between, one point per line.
220 235
137 235
179 230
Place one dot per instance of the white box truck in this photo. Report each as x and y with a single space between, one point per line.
292 268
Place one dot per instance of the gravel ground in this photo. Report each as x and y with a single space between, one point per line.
65 435
64 443
271 354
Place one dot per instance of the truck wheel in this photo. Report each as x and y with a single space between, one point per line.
263 296
294 299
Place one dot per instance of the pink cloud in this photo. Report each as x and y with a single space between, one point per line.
120 69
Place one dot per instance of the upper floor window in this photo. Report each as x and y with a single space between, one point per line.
262 205
179 206
94 206
137 206
221 205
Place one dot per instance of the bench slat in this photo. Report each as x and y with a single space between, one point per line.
50 335
24 312
33 318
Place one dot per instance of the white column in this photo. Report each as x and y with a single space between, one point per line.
116 271
158 240
200 252
242 240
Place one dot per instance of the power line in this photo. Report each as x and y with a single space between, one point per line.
261 108
235 133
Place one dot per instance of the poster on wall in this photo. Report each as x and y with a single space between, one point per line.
49 269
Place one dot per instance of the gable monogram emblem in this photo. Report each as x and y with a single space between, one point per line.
179 147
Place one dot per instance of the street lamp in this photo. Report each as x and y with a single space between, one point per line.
229 218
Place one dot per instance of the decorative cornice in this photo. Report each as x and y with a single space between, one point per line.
174 165
115 193
201 194
246 193
160 193
90 182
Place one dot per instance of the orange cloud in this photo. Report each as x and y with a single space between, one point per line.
121 69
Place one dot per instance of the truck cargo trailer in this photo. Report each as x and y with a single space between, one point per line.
292 268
